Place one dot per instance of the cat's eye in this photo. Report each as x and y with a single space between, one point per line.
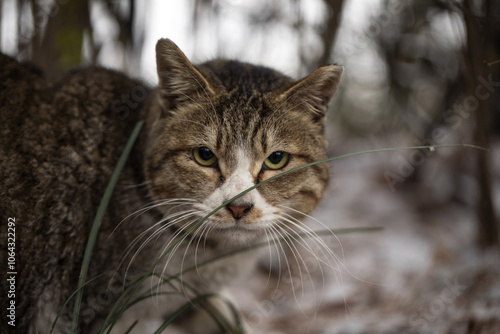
204 156
276 160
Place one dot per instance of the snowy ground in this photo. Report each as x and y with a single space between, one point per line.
421 274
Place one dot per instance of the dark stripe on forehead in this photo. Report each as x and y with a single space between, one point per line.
243 120
219 141
255 132
263 141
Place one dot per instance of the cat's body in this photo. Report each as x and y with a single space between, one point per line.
210 132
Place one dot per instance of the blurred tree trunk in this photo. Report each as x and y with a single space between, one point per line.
478 50
58 47
330 30
1 15
53 35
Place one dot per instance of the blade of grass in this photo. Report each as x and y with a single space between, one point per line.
343 156
97 222
111 319
132 327
221 320
184 308
188 231
51 330
214 312
139 282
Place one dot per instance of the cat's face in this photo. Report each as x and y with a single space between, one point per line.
225 126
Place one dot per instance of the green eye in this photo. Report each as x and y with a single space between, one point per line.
276 160
204 156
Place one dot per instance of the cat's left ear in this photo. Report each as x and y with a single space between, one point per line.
315 92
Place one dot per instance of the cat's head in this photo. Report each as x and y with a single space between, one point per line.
223 126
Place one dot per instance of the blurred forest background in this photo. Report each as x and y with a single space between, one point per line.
417 72
414 69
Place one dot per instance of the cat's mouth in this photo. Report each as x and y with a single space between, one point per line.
237 226
235 232
241 221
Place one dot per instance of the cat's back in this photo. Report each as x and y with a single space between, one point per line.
59 143
23 92
67 132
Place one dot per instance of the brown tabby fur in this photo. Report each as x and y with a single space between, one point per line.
60 143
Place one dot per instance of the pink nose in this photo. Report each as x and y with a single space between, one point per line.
238 211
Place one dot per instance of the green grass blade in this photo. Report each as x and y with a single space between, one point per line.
111 319
184 308
188 231
97 222
51 330
135 286
343 156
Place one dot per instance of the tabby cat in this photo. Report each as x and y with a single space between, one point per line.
210 132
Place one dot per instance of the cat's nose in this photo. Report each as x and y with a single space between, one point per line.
239 211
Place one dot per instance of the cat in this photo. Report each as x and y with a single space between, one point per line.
210 132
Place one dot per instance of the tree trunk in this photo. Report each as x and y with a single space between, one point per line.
330 31
58 46
476 54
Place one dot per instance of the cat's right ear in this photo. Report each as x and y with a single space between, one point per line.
315 92
179 79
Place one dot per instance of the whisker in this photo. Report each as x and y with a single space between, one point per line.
268 239
178 237
296 254
152 205
319 242
275 239
139 185
167 218
194 236
203 230
280 236
296 239
322 247
207 233
157 233
320 223
153 231
142 234
313 237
